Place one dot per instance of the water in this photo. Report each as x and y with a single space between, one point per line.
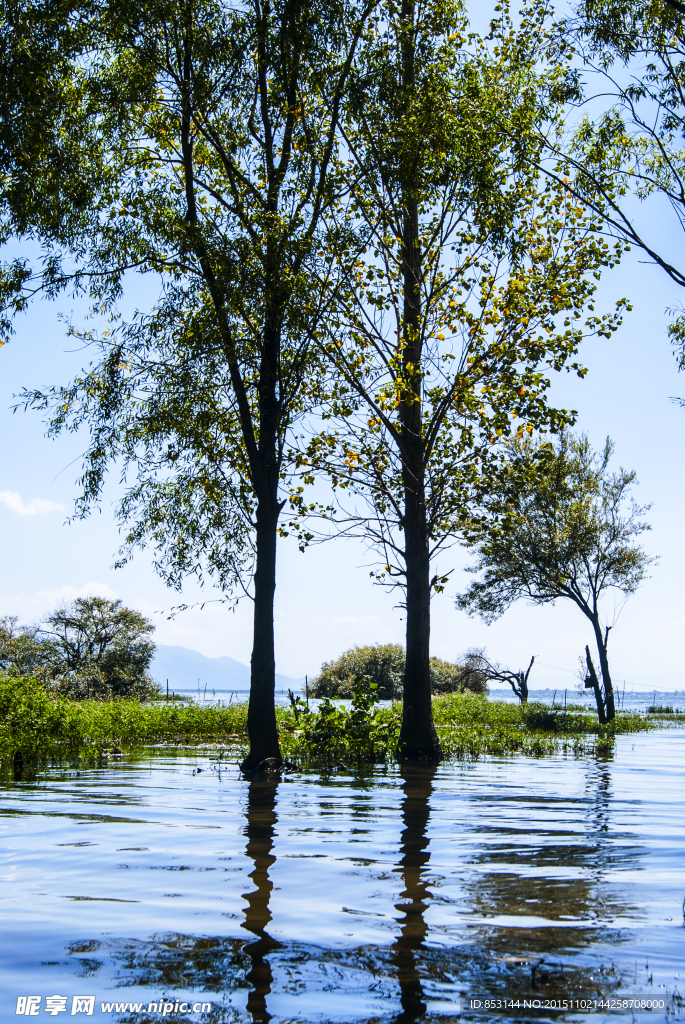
394 898
626 700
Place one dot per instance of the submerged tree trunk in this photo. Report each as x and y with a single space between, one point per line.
261 714
418 738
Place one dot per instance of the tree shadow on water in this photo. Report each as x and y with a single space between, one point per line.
415 855
260 833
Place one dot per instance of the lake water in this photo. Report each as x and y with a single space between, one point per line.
626 700
401 897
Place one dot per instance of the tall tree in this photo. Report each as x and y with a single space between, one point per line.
571 533
631 65
219 125
472 283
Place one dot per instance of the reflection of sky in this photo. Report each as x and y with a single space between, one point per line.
375 893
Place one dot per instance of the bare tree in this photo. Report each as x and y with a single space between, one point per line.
477 664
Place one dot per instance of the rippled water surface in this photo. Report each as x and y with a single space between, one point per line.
398 897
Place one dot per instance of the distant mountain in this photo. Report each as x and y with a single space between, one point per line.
183 667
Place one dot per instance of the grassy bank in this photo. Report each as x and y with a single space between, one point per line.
38 726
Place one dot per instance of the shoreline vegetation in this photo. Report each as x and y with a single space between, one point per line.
38 728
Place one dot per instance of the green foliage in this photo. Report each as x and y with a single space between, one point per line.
447 677
333 735
104 648
25 650
471 726
502 282
569 533
91 648
42 726
383 665
634 146
196 397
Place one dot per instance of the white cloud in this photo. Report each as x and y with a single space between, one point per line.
37 507
36 606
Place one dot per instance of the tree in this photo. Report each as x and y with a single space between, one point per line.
24 650
471 284
213 145
46 171
90 648
632 60
102 649
478 665
571 533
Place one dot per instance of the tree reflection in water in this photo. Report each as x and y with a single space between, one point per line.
260 832
417 788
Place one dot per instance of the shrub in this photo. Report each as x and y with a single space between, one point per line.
447 677
383 665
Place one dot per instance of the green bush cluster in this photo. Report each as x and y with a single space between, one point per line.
383 665
331 734
40 725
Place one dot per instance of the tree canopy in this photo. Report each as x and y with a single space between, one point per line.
570 533
93 648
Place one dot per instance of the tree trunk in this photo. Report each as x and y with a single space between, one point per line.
261 715
418 738
592 676
609 705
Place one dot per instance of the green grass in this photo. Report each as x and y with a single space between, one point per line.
44 727
40 725
470 725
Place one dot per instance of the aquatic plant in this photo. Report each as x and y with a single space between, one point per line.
38 725
335 734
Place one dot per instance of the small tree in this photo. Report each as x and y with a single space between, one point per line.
102 649
569 534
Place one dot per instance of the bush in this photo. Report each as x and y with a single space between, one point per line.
383 664
447 677
334 735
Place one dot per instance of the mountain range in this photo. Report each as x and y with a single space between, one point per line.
183 668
